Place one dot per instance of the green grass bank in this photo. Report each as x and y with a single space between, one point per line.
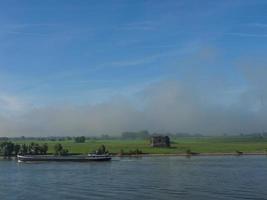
178 146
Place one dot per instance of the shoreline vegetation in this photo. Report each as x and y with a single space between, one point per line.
180 146
165 155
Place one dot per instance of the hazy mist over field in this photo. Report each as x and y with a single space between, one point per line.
96 72
210 104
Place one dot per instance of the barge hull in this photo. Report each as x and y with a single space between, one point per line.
62 159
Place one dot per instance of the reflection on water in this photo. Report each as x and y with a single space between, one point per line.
151 177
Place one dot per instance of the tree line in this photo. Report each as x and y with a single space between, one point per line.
8 148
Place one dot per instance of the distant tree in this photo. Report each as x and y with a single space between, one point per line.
44 149
69 138
7 148
36 149
3 138
143 134
30 148
135 152
102 150
188 151
59 150
16 149
24 149
80 139
64 152
105 137
33 149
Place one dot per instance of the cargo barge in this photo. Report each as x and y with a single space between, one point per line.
69 158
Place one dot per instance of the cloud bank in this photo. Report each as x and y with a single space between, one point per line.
204 96
169 105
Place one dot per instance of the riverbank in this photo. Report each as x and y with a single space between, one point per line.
180 146
194 155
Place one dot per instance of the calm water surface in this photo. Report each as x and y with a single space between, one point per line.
138 178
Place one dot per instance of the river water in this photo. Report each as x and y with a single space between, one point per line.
195 178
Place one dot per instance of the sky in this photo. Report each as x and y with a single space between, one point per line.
76 67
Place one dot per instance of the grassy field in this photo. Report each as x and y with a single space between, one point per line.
181 145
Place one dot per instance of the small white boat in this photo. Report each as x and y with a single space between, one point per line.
68 158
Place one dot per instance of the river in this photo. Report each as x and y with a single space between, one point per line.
159 178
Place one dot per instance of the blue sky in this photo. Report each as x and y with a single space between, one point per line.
87 52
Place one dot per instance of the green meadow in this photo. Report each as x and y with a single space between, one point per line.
178 146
